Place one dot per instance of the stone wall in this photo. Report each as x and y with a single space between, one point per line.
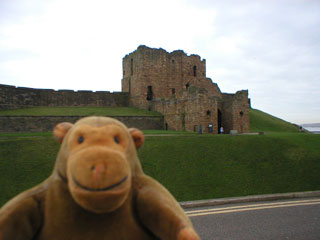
12 97
235 112
47 123
189 110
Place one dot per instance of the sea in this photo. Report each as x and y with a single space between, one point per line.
315 130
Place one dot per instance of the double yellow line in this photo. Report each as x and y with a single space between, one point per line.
251 207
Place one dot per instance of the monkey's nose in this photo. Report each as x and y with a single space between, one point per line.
98 170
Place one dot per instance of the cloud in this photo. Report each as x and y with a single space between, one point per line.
80 44
270 47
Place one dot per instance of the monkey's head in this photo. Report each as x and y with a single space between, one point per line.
98 160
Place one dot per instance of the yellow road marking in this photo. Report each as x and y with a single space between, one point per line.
251 207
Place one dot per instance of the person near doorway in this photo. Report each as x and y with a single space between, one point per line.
200 129
221 130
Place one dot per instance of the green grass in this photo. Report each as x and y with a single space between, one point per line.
24 163
192 167
167 132
78 111
263 122
204 167
21 135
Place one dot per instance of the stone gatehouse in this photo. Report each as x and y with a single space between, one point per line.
176 85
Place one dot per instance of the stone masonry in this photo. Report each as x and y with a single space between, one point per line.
12 97
176 85
47 123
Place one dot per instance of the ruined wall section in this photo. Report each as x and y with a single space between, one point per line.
227 112
235 112
193 71
12 97
241 107
145 76
201 109
190 109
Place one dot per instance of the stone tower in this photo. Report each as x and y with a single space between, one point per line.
176 85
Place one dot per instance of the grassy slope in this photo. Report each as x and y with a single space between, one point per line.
203 167
78 111
263 122
192 166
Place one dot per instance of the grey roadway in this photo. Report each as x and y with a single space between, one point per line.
297 219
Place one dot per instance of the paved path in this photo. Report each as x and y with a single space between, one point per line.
297 219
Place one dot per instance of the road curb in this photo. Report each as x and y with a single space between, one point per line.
245 199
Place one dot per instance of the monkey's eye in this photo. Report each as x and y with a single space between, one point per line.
116 139
80 139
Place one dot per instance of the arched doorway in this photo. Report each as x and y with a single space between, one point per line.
219 120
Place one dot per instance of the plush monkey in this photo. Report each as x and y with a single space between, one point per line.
97 190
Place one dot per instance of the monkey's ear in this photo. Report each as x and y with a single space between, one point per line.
61 130
137 137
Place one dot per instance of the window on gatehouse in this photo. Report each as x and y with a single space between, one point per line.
149 93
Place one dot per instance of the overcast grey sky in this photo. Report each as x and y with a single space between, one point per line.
270 47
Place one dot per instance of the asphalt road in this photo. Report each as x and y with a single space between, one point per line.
286 219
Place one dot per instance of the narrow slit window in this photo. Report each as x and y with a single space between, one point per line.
149 93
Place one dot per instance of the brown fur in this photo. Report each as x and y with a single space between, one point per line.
97 191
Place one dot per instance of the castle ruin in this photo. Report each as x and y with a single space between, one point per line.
176 85
173 84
